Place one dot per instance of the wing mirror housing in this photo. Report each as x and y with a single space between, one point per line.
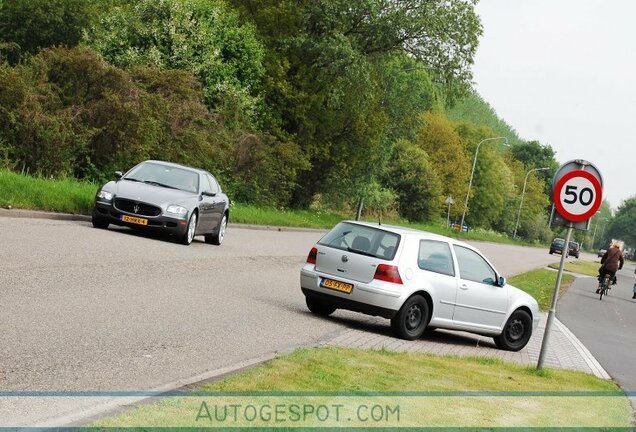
501 281
118 175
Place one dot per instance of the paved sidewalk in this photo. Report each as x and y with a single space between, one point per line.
565 351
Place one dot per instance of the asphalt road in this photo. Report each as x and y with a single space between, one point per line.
84 309
608 327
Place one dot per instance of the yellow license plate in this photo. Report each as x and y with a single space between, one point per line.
336 285
135 220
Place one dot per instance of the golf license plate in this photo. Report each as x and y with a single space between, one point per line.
336 285
135 220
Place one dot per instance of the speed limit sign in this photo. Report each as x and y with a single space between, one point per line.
578 195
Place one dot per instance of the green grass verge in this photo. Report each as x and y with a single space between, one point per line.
70 196
31 193
251 214
327 371
589 268
539 284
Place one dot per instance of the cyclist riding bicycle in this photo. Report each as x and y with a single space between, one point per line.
611 262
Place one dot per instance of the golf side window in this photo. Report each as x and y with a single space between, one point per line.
435 256
474 267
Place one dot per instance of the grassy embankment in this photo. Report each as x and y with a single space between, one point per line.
443 392
589 268
539 284
70 196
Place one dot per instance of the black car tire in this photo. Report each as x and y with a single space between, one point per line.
187 237
217 237
412 318
551 251
100 222
319 307
516 332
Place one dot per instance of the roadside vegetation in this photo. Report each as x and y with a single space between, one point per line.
523 397
72 196
589 268
56 195
373 106
540 283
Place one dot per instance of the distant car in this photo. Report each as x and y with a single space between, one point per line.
574 249
417 280
164 196
557 246
457 226
601 252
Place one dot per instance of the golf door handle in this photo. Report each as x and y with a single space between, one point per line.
463 286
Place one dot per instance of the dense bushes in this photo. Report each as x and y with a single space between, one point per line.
69 113
203 37
331 103
415 181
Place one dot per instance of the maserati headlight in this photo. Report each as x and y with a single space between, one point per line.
104 195
177 210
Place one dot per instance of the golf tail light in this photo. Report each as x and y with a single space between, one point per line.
388 273
311 258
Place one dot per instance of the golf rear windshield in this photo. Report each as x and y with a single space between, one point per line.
362 239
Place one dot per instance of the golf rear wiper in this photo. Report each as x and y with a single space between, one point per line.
361 252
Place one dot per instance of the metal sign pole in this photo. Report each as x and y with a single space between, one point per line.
555 297
449 201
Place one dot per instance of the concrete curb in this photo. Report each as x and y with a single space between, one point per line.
33 214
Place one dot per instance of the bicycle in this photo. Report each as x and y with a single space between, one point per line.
603 286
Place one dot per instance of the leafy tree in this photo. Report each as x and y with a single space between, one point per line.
30 25
595 237
536 228
533 207
398 118
77 115
533 154
442 35
204 37
474 110
414 181
622 226
69 113
492 193
447 155
332 79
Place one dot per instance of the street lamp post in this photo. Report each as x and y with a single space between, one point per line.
595 227
514 235
472 173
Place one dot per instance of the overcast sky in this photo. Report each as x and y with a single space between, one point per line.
564 72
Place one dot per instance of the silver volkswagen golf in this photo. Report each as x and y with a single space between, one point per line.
416 279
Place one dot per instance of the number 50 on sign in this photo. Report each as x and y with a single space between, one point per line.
578 195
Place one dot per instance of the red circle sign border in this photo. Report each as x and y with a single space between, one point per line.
597 202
